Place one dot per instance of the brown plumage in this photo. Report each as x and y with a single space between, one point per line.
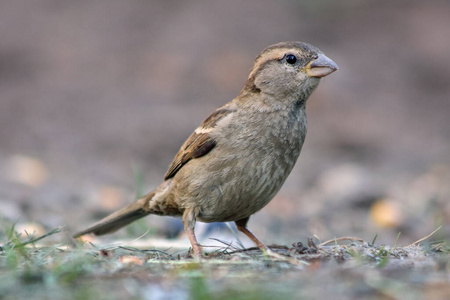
239 157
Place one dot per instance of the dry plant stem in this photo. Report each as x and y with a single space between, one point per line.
424 238
341 239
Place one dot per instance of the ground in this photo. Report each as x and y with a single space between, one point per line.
346 268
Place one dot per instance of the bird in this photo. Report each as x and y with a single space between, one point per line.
236 161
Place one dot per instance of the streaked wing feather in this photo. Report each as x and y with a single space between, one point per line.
198 144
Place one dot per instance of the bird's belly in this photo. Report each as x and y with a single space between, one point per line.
232 209
240 190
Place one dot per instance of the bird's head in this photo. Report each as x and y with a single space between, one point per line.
288 69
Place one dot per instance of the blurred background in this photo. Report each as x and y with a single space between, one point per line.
96 98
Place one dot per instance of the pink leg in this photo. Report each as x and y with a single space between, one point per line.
242 227
189 218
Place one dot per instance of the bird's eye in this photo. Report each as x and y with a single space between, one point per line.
291 59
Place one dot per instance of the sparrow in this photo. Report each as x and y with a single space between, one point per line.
236 161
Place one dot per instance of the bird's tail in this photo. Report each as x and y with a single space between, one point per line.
120 218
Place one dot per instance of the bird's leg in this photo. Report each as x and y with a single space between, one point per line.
242 227
189 218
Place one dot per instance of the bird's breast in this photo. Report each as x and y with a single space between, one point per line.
250 168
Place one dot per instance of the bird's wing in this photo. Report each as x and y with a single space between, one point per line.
199 143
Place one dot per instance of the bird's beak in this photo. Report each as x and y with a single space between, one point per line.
321 67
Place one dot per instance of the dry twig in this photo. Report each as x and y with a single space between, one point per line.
341 239
424 238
